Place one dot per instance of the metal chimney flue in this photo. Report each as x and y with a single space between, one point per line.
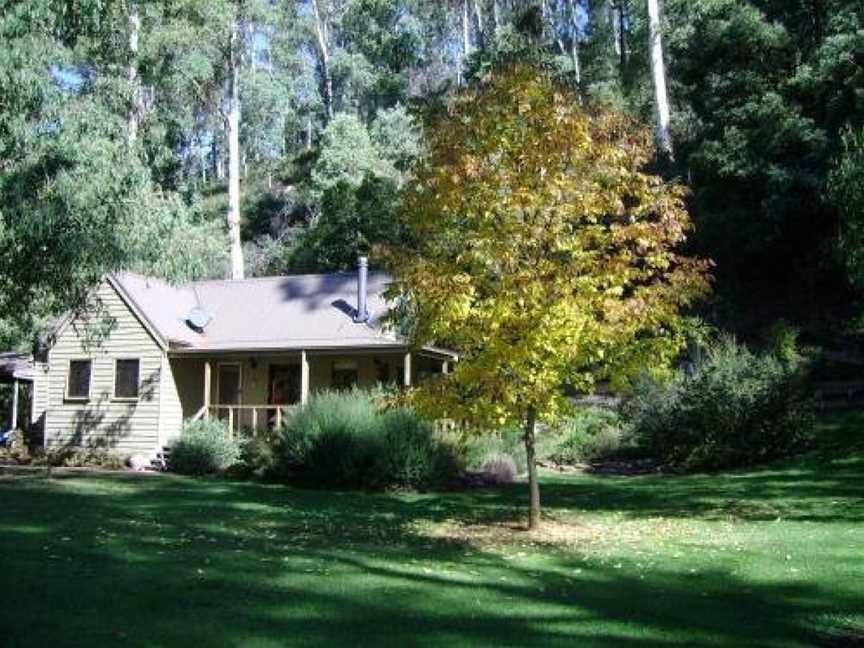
362 314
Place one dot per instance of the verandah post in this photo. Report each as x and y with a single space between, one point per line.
207 377
304 378
14 404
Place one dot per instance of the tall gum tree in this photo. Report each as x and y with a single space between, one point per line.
232 133
542 252
658 75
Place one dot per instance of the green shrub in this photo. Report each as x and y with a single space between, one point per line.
499 467
783 342
204 448
506 441
736 408
589 433
348 439
258 458
408 453
327 413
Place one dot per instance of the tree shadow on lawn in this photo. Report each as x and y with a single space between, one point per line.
173 561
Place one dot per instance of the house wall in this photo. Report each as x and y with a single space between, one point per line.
171 419
127 427
40 393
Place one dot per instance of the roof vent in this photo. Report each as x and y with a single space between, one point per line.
198 319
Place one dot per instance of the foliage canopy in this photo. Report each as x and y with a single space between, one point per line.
542 250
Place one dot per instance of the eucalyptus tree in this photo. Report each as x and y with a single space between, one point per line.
658 73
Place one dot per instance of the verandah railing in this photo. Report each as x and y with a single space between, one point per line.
247 419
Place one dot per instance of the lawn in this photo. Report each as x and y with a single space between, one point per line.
770 557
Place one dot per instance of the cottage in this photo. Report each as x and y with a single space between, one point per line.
148 355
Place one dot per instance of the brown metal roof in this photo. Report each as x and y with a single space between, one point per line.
269 313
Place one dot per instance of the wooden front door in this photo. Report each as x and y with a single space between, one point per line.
284 384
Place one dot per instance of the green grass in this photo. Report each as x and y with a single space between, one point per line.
769 557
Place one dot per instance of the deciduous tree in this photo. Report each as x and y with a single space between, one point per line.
542 251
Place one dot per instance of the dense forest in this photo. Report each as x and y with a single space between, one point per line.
228 138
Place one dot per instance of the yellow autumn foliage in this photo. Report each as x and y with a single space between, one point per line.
543 251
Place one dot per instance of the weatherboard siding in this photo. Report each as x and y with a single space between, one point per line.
40 392
171 419
102 420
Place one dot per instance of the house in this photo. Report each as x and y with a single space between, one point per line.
145 356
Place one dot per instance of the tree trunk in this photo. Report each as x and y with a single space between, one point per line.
466 43
622 37
478 19
614 25
136 96
218 162
533 483
466 31
574 45
322 33
658 70
496 17
232 127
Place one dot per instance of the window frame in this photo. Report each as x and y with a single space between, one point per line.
125 399
78 399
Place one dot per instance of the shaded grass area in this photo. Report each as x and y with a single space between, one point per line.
772 556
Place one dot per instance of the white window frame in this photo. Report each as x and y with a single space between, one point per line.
124 399
78 399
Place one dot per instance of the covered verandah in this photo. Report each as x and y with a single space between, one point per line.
16 381
254 391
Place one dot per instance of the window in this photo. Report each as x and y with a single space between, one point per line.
382 371
127 378
344 375
78 383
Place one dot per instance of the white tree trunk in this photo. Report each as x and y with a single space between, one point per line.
232 127
136 96
574 43
612 20
466 44
496 16
322 34
658 70
466 31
